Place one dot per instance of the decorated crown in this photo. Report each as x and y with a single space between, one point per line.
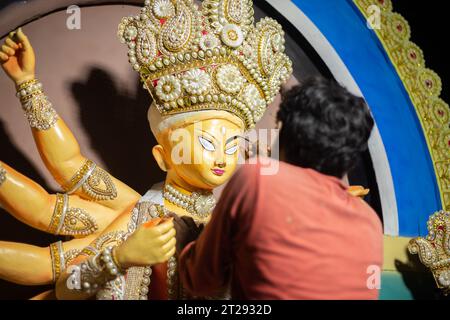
434 250
213 58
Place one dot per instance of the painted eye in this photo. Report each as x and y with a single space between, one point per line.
232 150
208 145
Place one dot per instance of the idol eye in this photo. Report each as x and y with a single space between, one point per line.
232 150
208 145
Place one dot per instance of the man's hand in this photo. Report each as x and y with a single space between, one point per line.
187 230
17 57
150 244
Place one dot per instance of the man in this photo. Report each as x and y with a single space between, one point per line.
297 234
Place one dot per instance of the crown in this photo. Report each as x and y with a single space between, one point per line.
434 250
213 58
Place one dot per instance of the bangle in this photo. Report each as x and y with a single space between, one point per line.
38 109
107 258
61 259
108 239
28 89
58 261
70 221
98 270
91 178
80 177
91 275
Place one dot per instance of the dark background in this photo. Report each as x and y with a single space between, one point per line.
429 21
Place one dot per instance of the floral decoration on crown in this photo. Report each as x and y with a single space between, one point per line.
213 58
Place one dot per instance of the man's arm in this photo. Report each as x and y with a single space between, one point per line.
205 265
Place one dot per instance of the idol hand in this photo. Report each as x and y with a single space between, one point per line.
17 57
358 191
149 245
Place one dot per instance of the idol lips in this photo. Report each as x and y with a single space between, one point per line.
218 172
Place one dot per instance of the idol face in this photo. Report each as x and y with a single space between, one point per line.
204 154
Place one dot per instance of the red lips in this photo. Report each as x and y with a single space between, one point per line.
218 172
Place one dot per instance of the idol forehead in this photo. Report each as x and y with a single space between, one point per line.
160 125
217 129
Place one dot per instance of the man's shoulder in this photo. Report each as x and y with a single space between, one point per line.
268 168
271 173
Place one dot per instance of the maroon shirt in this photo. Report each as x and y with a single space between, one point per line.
294 235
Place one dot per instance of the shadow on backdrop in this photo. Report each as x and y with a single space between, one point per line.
117 126
419 280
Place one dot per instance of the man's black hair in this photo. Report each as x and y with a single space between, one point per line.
324 127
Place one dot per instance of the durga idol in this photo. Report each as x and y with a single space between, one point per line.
211 73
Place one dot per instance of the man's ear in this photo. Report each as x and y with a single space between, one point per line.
160 157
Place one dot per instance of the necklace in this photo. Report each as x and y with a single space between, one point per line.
200 204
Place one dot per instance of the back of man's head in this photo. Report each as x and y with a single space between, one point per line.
324 127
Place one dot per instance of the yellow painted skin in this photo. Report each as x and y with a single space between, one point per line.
210 144
185 177
31 204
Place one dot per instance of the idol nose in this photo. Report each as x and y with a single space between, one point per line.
220 161
221 165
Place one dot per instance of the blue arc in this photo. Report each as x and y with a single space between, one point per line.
414 178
